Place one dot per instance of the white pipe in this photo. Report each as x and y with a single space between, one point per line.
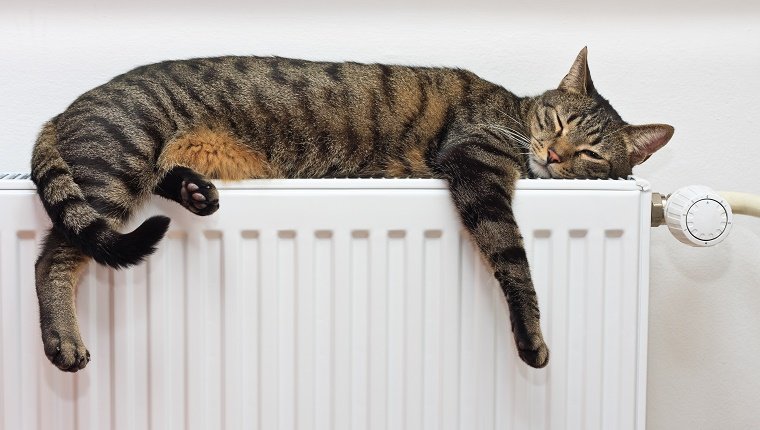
742 203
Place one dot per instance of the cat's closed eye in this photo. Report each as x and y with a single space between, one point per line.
590 153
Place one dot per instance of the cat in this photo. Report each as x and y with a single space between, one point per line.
168 128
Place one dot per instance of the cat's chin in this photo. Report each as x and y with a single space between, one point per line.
538 169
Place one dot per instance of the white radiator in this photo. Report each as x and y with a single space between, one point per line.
340 304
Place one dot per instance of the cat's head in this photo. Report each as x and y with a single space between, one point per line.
575 133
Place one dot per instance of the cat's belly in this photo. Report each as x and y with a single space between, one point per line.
218 154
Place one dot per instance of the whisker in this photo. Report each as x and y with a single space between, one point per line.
509 116
517 138
512 130
516 134
507 129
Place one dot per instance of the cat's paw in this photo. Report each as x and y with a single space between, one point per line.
199 197
533 351
66 351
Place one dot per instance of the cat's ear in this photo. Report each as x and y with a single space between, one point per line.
643 140
578 80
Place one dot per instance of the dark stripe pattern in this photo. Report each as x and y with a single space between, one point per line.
103 156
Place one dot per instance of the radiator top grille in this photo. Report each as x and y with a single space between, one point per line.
22 181
11 175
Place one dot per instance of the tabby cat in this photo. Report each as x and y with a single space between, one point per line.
169 128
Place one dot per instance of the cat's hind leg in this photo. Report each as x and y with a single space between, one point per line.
190 189
57 271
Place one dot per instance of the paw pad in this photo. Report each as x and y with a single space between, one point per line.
199 198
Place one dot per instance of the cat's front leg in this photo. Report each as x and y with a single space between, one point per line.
482 172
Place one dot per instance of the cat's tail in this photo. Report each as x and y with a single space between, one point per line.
80 223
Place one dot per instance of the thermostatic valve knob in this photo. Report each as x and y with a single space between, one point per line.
698 216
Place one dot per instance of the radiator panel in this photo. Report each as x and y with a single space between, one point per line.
340 304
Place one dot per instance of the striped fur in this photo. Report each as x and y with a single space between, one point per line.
168 128
77 220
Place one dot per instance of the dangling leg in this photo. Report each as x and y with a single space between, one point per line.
190 189
482 185
56 274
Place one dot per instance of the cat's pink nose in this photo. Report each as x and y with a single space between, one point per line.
552 157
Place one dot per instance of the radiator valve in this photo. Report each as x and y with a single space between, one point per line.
695 215
698 216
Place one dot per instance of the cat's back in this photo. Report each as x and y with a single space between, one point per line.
205 84
179 93
276 104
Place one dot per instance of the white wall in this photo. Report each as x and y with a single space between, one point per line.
688 64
